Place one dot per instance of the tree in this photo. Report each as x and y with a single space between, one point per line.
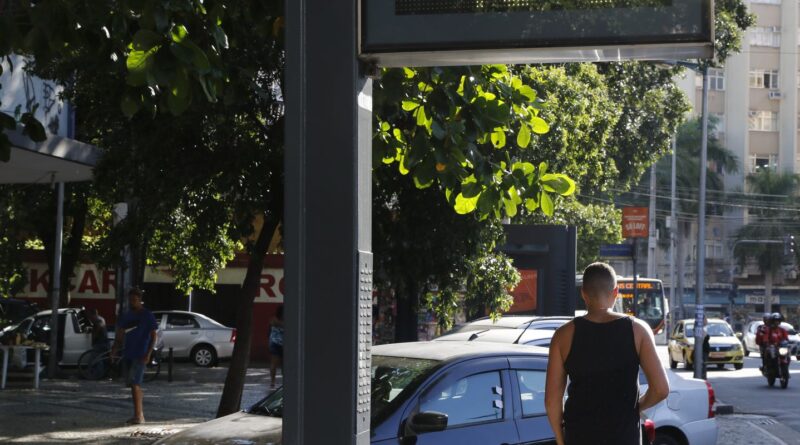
771 220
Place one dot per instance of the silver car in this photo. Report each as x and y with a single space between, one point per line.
195 336
749 338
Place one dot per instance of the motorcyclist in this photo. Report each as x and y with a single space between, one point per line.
773 334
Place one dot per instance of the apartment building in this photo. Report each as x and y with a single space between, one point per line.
755 100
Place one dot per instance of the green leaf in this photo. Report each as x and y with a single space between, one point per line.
437 130
531 204
409 105
524 136
422 119
539 125
179 33
190 53
547 204
465 205
526 167
409 73
179 94
471 189
528 92
130 105
145 39
511 208
33 128
498 138
558 183
220 37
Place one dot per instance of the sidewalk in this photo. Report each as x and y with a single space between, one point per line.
77 411
747 429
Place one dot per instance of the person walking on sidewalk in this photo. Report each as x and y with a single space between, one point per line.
138 327
601 353
275 345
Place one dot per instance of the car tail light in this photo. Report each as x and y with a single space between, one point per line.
711 400
650 430
233 335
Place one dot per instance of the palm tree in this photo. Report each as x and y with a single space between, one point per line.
772 221
721 160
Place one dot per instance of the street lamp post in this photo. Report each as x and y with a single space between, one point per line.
699 323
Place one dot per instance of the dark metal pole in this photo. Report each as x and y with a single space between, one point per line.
635 278
328 227
699 332
55 285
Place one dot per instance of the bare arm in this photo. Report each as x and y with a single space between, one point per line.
119 334
153 340
657 384
555 385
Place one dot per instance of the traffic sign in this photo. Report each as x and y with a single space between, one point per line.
624 251
635 222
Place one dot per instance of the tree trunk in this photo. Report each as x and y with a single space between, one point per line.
407 317
72 250
234 381
768 279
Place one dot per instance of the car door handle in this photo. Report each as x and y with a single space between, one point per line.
193 332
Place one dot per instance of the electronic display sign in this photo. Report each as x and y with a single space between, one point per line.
469 32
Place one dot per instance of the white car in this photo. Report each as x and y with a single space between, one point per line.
530 337
749 338
685 417
512 322
195 336
73 326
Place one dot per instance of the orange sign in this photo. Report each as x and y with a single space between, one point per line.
525 292
635 222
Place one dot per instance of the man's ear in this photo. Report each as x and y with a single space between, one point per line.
615 292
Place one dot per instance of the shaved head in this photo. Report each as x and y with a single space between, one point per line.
599 280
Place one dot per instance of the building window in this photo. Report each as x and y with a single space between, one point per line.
764 79
762 121
766 36
716 79
760 162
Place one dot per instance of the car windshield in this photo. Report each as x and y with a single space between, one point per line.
393 380
713 330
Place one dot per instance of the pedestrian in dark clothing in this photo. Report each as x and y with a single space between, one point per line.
99 330
275 345
601 353
138 328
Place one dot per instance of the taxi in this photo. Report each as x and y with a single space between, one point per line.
724 346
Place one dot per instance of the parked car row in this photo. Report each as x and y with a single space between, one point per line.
471 386
190 335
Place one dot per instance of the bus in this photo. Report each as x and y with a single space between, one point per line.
651 303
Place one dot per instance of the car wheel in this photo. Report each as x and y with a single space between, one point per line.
747 352
204 355
720 366
738 366
672 363
666 439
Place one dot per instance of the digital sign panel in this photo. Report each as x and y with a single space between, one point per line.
469 32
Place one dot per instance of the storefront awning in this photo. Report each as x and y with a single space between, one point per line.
56 159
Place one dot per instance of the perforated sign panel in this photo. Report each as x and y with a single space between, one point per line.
461 32
364 340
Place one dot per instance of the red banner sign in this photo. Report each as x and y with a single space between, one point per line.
635 222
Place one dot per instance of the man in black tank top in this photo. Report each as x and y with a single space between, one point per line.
601 353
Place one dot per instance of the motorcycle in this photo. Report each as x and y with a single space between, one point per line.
777 364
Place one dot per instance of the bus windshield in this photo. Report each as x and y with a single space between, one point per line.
649 302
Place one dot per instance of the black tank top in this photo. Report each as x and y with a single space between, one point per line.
603 395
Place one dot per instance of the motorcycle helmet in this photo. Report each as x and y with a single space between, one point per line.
776 318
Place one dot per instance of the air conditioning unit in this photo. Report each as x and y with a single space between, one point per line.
775 95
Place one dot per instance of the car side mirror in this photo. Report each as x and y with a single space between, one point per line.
739 335
428 422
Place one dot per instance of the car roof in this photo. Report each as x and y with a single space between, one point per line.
710 320
62 310
453 350
513 320
499 335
